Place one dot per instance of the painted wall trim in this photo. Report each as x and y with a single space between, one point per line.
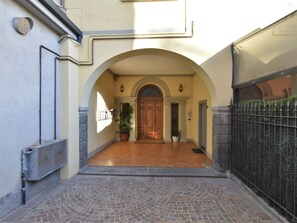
155 75
89 61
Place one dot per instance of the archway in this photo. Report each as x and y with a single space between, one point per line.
150 113
169 92
87 87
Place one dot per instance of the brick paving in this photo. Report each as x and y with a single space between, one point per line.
106 199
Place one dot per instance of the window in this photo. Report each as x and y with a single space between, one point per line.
104 115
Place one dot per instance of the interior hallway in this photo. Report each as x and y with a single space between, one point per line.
178 155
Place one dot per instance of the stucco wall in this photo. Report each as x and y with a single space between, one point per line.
127 17
103 132
201 95
219 67
172 83
19 96
212 32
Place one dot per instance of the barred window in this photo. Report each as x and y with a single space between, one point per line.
104 115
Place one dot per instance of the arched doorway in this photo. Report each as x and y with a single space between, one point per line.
150 113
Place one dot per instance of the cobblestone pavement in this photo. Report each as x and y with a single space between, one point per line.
142 199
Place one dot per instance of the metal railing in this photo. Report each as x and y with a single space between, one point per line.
264 151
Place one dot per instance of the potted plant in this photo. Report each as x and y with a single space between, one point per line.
176 135
125 121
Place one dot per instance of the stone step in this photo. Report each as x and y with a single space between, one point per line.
152 171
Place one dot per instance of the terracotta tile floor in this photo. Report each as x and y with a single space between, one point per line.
150 155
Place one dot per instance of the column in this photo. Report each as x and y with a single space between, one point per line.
133 132
183 121
117 118
69 124
167 121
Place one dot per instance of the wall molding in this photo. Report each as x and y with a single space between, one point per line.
151 80
100 148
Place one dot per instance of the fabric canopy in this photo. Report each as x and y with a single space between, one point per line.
271 51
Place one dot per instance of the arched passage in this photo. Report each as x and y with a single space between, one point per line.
169 92
86 90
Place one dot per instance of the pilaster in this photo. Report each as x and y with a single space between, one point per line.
69 124
221 140
183 121
83 137
167 122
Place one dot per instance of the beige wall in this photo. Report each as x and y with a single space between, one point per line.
201 94
122 17
172 83
105 86
219 67
189 119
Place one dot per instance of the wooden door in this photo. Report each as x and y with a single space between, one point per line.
158 119
150 118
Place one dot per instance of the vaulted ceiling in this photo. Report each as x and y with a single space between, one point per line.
151 65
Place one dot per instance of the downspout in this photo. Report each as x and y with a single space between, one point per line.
40 89
235 92
23 177
57 59
24 169
62 3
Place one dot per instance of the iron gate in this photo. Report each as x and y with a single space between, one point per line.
264 151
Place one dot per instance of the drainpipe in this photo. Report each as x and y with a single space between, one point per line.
56 59
24 169
23 177
62 3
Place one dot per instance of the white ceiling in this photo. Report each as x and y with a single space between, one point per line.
151 65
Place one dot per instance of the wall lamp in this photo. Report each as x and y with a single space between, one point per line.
22 25
122 88
180 88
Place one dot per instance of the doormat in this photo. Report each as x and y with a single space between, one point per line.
197 150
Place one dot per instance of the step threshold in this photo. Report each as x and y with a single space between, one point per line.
152 171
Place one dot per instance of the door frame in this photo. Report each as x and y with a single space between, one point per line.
161 98
202 128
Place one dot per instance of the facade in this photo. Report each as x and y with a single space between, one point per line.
30 90
127 47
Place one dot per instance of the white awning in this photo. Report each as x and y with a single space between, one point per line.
270 52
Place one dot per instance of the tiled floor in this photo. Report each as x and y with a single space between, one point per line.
107 199
158 155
